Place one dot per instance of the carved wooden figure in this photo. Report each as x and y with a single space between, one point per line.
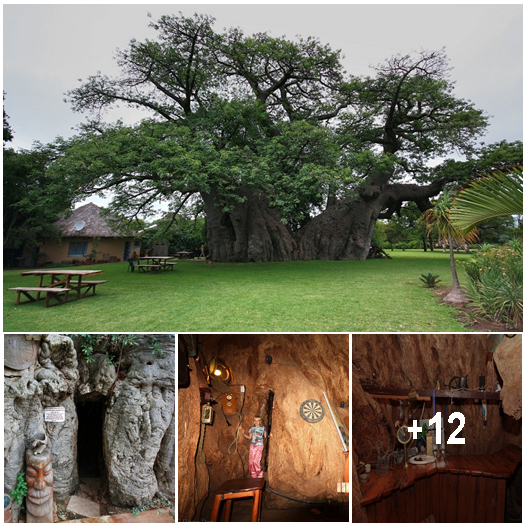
39 477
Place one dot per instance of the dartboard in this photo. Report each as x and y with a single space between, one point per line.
311 411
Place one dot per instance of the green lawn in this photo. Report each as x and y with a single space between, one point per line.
297 296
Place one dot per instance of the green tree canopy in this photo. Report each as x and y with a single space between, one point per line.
33 198
272 134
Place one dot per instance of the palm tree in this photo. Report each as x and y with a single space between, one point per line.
497 194
438 219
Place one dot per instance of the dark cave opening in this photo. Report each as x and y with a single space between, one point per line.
90 457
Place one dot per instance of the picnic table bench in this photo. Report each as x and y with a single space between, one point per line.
183 254
51 293
157 264
62 283
152 268
89 285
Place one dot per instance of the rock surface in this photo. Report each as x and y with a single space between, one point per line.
165 462
83 507
139 421
137 418
96 377
51 383
508 357
192 471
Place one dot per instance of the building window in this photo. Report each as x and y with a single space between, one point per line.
137 243
77 248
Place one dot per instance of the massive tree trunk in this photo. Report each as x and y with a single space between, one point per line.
252 231
343 231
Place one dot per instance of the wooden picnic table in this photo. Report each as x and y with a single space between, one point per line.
182 254
62 282
157 263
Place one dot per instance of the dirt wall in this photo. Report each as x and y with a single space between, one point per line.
192 473
305 460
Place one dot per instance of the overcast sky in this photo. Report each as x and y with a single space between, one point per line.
47 48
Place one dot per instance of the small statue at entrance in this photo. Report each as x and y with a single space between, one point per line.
39 478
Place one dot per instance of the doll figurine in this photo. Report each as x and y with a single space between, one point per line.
256 434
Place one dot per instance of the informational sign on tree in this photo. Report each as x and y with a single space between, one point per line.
55 414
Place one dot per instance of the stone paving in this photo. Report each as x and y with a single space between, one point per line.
160 515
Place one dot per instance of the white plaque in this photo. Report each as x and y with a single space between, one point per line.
55 414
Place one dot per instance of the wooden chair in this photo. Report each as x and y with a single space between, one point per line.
238 489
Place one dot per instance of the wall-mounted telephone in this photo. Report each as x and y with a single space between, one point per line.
229 403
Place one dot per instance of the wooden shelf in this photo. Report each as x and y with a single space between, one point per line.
426 394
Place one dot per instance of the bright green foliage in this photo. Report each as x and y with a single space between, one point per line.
156 347
274 116
409 109
33 199
495 195
430 280
405 227
112 345
20 490
501 156
495 284
8 132
183 231
144 165
438 220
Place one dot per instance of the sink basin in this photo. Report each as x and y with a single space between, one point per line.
421 459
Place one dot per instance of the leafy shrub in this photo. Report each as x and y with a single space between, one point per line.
110 344
485 247
495 283
415 244
402 245
20 490
156 347
430 280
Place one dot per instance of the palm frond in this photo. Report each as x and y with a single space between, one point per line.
498 194
438 220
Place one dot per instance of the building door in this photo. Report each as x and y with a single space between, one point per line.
127 247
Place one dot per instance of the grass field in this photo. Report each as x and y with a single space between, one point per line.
297 296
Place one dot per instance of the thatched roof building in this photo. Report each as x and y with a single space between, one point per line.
89 235
87 221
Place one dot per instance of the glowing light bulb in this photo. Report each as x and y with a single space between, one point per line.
217 372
